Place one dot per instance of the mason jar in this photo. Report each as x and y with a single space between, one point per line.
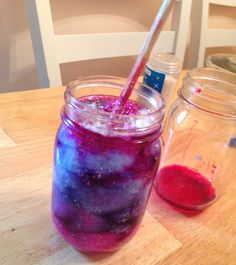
199 153
161 73
104 163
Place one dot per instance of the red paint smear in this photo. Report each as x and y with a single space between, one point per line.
198 90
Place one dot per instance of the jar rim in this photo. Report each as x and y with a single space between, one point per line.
212 90
165 62
115 83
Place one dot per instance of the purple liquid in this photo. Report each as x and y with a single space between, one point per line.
101 182
184 187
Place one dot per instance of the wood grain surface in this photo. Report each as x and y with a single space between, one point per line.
28 124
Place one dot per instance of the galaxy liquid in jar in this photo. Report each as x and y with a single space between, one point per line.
104 163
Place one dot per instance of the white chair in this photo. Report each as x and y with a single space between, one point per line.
52 50
202 37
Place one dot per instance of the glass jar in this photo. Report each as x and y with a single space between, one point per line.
104 163
161 73
226 62
199 140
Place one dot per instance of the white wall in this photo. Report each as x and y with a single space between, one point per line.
17 66
17 69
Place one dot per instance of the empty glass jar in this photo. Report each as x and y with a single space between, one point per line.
199 140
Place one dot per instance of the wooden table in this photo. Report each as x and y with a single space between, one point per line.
28 123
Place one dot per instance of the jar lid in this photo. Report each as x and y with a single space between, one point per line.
165 63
